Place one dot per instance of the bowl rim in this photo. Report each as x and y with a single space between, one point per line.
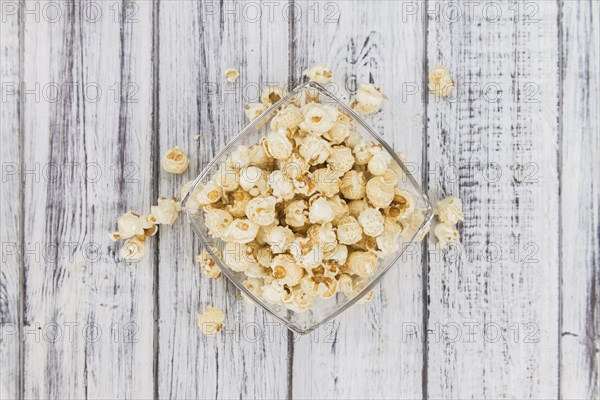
428 210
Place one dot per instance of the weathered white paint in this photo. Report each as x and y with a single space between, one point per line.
10 207
197 44
69 214
368 355
580 201
505 280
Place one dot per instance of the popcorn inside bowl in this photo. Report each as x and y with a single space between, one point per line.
307 208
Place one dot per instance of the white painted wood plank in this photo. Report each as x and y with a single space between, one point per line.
580 201
88 317
503 286
197 43
10 204
369 354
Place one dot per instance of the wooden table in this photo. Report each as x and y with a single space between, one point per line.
94 92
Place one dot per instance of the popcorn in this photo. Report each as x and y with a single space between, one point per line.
175 161
341 129
211 321
449 210
278 237
296 213
353 185
208 265
281 187
368 99
166 212
261 210
277 145
378 165
371 221
131 224
286 271
307 254
344 284
133 249
238 200
301 301
445 234
353 139
288 119
272 94
319 74
404 204
390 177
339 254
320 211
318 118
379 193
231 74
217 220
253 180
258 157
411 225
340 160
254 286
273 293
339 208
305 185
326 181
355 207
364 151
254 110
387 242
191 204
228 179
362 263
349 230
440 82
238 159
238 257
240 231
294 167
264 256
323 235
315 150
209 194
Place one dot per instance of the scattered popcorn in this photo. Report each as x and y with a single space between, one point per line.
232 74
319 74
368 99
445 234
449 210
175 161
197 137
131 224
208 265
440 82
166 212
211 321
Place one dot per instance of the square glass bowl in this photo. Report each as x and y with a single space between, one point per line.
322 310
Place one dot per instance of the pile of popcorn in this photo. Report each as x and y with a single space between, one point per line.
310 210
306 213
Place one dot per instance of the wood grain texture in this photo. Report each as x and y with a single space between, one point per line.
493 303
197 43
370 351
88 317
10 205
580 201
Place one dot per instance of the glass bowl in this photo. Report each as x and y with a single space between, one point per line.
323 309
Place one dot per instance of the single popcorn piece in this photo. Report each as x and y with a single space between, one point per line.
261 210
445 234
353 185
307 254
240 231
217 220
388 242
362 263
254 110
281 187
288 118
319 74
277 145
273 293
175 161
411 225
323 235
278 237
238 159
353 139
272 94
301 301
371 221
131 224
254 180
232 74
238 200
211 321
340 160
209 194
294 167
379 193
239 257
133 249
286 270
227 178
315 150
318 118
368 99
440 82
326 181
355 207
341 129
166 212
339 207
449 210
208 265
349 230
364 151
403 205
378 165
258 157
339 254
320 210
296 213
